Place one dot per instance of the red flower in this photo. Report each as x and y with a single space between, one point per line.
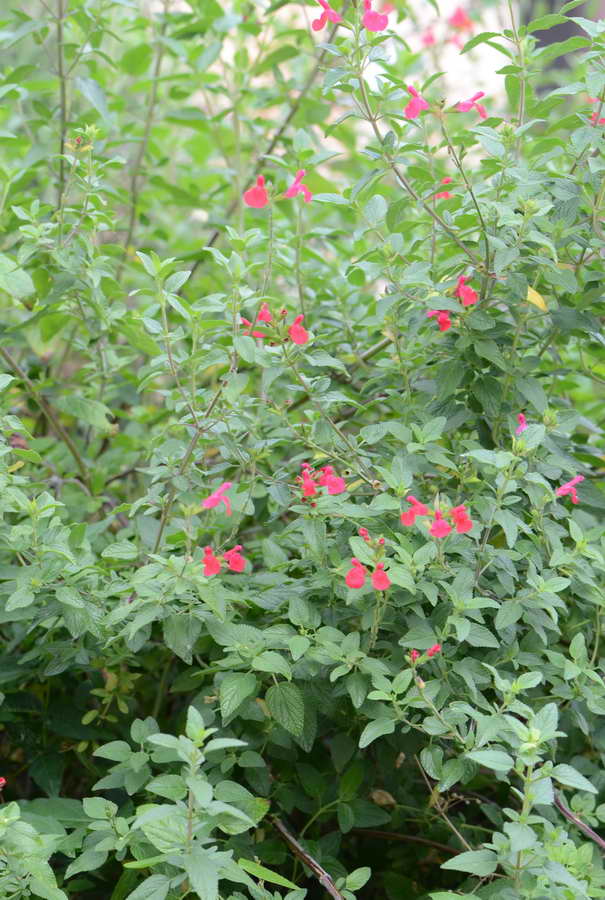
380 579
428 38
465 105
443 318
298 334
257 196
569 488
328 15
416 105
417 509
364 534
440 528
212 564
218 497
297 187
462 521
444 195
234 559
264 314
356 576
434 650
460 20
334 483
522 424
465 293
2 783
373 21
414 655
256 334
309 488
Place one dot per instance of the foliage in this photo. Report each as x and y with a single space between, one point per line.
177 722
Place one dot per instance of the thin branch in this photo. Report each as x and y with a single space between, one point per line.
571 817
322 876
61 12
54 423
149 118
408 838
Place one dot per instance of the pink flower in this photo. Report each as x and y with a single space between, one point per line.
264 314
212 564
364 534
416 105
461 519
380 579
297 187
298 334
373 21
459 19
465 105
328 15
256 334
434 650
309 488
428 38
522 424
417 509
356 576
257 196
234 559
440 528
218 497
414 655
465 293
569 488
594 118
443 318
444 195
334 483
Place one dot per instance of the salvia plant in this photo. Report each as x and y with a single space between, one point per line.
301 445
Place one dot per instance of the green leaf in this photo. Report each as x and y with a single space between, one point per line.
492 759
94 93
14 280
474 862
570 777
285 703
234 689
155 887
93 412
376 729
264 874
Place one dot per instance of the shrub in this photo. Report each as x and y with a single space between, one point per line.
301 561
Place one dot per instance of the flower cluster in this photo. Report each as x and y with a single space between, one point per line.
595 118
233 558
444 195
432 651
297 333
357 574
569 489
440 527
464 293
218 497
257 197
309 480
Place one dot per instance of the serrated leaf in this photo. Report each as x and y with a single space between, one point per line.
234 689
285 704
